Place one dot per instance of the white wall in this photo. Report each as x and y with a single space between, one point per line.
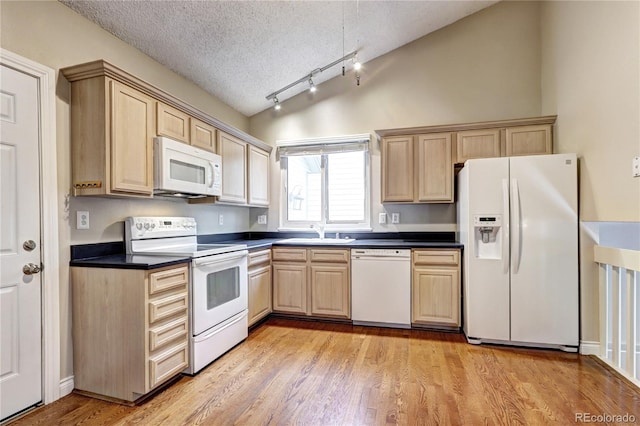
52 34
483 67
591 80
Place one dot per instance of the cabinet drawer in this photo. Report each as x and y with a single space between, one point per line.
166 307
168 279
290 254
167 364
436 257
259 257
161 335
328 255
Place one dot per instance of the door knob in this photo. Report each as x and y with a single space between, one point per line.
31 268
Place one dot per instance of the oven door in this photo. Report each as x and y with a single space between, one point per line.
219 289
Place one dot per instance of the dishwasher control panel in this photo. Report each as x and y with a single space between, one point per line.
357 253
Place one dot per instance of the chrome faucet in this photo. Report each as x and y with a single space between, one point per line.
319 228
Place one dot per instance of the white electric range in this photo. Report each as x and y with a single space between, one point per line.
218 282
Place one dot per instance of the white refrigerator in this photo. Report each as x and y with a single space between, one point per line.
518 222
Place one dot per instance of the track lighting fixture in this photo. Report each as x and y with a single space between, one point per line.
276 103
308 79
356 63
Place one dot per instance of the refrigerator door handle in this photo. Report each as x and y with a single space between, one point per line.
517 228
505 226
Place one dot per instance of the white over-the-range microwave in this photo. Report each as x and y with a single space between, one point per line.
182 170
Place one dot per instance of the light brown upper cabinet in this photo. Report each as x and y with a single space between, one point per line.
434 168
397 169
417 169
417 162
245 172
504 142
484 143
114 117
175 124
172 123
202 135
258 177
234 169
528 140
112 128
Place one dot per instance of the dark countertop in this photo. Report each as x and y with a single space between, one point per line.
364 243
129 261
111 255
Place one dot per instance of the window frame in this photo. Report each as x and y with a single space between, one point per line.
330 226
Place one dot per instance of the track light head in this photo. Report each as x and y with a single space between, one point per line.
276 103
312 87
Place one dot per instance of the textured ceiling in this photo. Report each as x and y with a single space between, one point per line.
241 51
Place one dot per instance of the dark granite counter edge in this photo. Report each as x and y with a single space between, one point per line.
112 254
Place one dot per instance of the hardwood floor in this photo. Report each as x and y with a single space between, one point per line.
311 373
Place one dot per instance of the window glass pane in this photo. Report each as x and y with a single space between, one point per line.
304 199
346 186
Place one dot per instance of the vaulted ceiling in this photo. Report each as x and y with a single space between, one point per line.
241 51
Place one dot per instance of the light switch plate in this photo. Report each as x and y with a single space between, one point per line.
262 219
636 166
82 220
220 219
395 217
382 218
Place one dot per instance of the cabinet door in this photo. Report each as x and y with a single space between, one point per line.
290 288
434 168
258 164
330 291
234 168
202 135
477 144
172 123
259 293
528 140
397 169
436 296
131 140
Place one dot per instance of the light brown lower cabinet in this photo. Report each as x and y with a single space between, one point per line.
130 329
259 283
435 291
312 281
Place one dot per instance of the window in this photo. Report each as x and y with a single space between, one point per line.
326 183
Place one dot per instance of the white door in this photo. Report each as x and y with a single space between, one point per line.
544 249
20 292
486 283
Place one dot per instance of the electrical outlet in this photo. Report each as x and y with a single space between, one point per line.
220 219
262 219
382 218
636 167
395 217
82 220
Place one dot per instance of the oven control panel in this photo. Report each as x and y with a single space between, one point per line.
144 227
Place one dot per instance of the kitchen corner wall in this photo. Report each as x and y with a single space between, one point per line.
590 69
52 34
483 67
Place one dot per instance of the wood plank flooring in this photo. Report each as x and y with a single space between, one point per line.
313 373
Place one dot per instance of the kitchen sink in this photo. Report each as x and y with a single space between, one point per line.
317 240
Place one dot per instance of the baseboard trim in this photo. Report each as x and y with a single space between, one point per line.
589 347
66 386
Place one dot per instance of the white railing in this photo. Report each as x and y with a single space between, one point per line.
619 304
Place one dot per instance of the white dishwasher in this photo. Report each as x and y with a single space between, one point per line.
381 287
